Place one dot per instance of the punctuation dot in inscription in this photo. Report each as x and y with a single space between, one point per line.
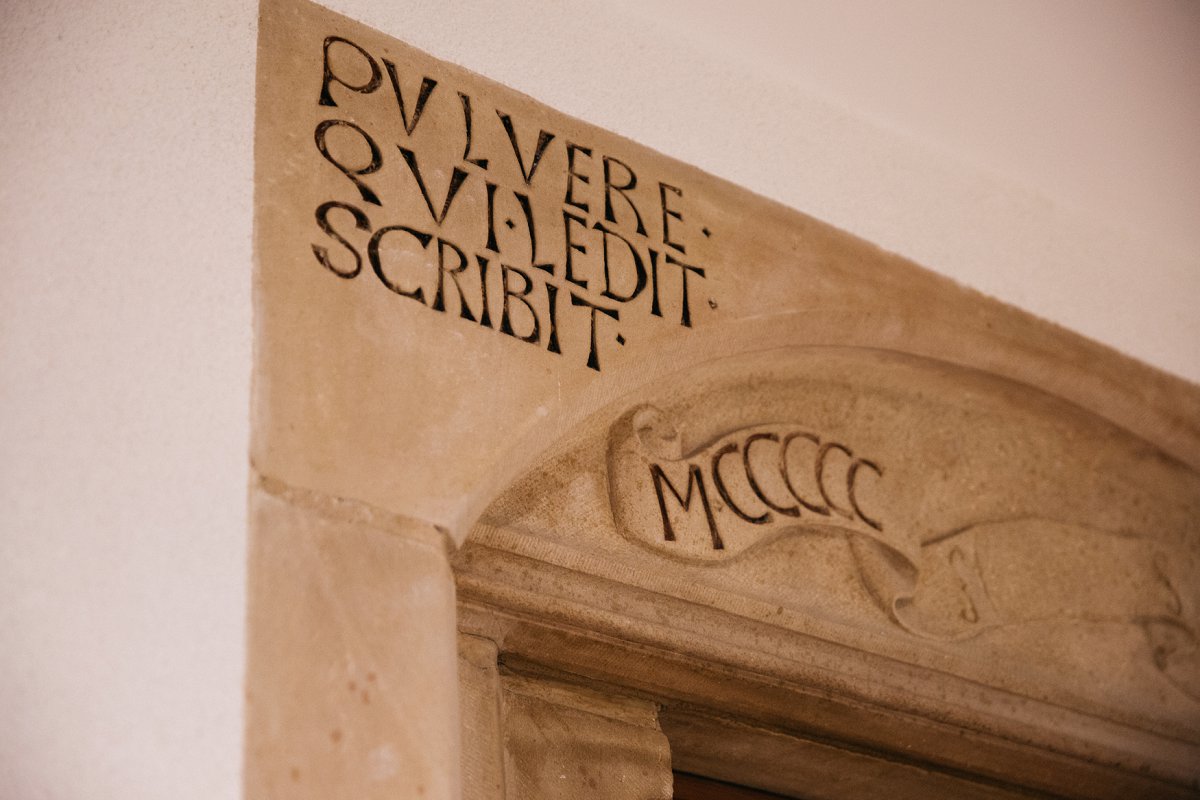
706 231
712 304
510 223
620 339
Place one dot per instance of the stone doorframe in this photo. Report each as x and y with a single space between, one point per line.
569 577
752 490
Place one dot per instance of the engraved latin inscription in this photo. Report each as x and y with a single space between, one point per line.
714 499
483 231
754 478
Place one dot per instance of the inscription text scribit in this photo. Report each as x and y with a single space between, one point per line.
542 250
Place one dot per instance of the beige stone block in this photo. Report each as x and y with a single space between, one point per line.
565 742
451 271
352 677
482 736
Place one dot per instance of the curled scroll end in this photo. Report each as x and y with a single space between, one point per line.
903 612
890 578
1176 653
946 600
657 434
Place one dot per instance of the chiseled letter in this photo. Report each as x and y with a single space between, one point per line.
696 479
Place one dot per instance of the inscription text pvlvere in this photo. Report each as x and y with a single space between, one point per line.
500 241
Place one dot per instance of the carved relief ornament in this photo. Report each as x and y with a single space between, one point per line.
979 523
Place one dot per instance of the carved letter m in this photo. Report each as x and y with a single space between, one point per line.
695 479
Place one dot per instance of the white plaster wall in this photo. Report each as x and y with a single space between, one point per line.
1044 154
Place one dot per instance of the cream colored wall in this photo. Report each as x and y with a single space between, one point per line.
1047 156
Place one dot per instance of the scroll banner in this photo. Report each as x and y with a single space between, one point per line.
753 485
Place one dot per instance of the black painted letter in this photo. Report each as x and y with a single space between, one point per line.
360 221
366 88
695 478
423 239
368 194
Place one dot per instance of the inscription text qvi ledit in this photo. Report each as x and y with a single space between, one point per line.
531 251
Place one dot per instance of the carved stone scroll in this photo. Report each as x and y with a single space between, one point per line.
1024 554
947 510
953 585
